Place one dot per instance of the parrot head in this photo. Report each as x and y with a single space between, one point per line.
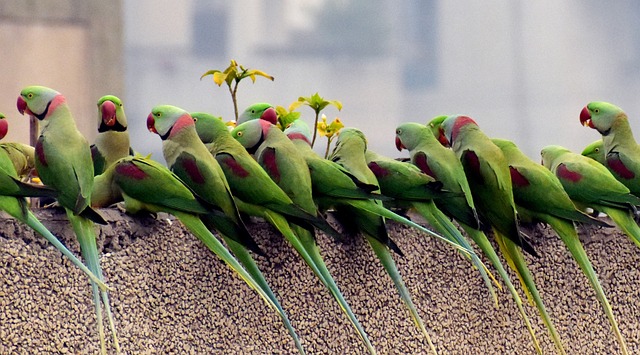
409 135
600 116
111 114
352 137
38 101
298 129
261 110
435 125
595 151
252 133
451 126
4 126
208 126
550 153
167 121
506 146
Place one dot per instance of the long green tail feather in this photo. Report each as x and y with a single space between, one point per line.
442 224
197 228
625 221
567 232
86 235
384 255
485 245
244 257
515 259
309 252
380 210
36 225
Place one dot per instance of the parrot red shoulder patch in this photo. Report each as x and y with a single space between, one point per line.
270 164
471 164
227 160
131 170
565 174
190 166
377 170
617 166
40 153
421 161
517 179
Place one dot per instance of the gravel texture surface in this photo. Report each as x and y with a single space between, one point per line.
171 295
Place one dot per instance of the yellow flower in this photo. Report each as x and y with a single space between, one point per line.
334 127
322 126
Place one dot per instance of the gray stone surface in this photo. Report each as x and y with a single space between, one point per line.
171 295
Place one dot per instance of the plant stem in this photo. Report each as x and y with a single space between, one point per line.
315 131
326 152
233 98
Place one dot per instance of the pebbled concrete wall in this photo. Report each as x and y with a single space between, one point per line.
171 295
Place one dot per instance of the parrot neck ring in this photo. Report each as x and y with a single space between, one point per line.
151 126
23 107
117 127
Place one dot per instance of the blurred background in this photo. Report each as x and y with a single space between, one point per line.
522 69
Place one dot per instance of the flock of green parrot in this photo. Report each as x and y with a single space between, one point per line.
456 178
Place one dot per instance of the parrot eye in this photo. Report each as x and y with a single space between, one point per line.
30 95
596 110
195 119
253 111
398 131
239 134
157 114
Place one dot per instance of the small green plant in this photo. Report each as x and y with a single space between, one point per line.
317 103
232 76
285 117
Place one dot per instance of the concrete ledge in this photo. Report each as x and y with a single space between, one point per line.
171 295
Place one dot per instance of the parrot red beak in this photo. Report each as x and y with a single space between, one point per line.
108 110
585 118
151 123
399 144
443 139
22 105
4 128
270 115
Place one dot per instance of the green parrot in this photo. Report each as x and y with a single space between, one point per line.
12 201
349 152
540 197
595 151
63 162
260 110
258 195
407 184
621 151
332 184
442 164
590 184
489 178
190 160
136 176
112 142
488 175
21 155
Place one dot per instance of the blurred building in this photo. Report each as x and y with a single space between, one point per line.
522 69
73 46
